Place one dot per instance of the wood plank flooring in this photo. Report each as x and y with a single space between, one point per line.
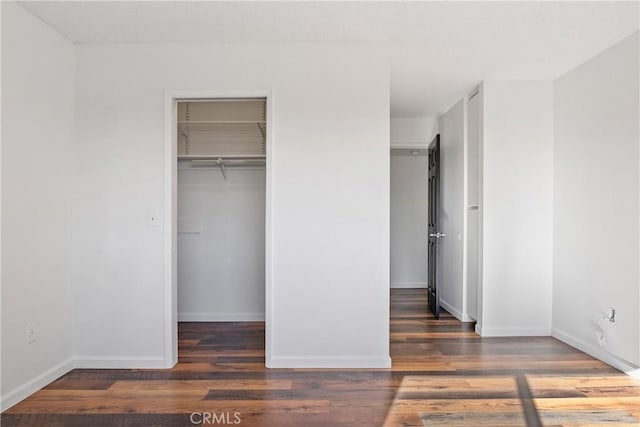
443 374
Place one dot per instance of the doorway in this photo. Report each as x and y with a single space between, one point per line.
408 228
218 233
434 206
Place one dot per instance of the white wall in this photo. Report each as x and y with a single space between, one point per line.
450 248
517 208
596 213
329 202
221 243
37 134
473 198
409 185
413 131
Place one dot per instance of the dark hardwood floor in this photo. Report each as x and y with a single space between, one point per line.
443 374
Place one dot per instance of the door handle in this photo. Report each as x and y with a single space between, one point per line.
437 235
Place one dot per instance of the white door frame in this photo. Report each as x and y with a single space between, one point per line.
170 213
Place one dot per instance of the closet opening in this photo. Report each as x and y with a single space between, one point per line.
220 240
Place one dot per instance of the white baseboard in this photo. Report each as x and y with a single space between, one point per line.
463 317
408 285
451 309
90 362
512 332
328 362
22 392
220 317
597 352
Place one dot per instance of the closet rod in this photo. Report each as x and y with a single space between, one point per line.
226 162
212 100
226 165
223 163
221 156
224 122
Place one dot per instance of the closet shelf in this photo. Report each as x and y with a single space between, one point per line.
208 129
238 131
255 129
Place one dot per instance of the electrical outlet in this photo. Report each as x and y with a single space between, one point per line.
31 333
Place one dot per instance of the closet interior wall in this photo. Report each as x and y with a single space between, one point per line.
221 210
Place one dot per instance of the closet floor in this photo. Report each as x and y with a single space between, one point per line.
443 374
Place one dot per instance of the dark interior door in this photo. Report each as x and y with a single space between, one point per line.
434 201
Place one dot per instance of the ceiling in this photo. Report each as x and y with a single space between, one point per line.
439 50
